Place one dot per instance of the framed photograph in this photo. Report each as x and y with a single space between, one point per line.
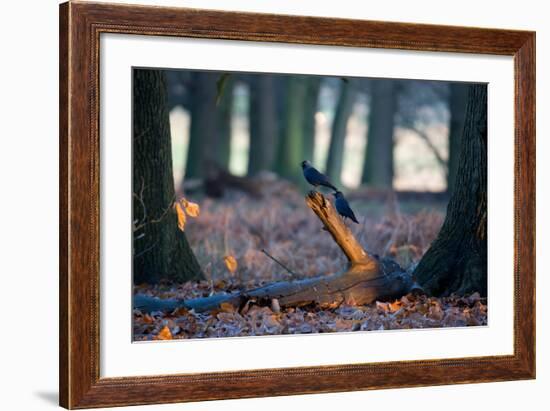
258 205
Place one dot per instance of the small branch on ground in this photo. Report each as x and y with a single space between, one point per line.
281 264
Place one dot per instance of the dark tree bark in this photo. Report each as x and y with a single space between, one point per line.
378 165
344 108
457 260
263 123
161 251
224 112
291 147
202 133
457 107
210 133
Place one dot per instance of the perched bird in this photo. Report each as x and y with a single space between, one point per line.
342 206
314 177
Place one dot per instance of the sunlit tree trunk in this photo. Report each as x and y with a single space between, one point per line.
344 108
263 123
457 260
457 106
378 165
161 251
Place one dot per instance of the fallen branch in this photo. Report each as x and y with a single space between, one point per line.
365 279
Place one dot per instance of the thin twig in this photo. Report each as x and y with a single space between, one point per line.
170 206
278 262
146 250
442 162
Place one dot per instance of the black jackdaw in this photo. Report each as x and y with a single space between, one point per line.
342 206
314 177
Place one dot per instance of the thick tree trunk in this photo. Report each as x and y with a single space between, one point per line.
378 165
291 147
210 134
344 108
365 279
203 129
224 113
457 260
263 123
457 106
161 251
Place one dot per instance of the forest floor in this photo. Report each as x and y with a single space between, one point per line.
230 233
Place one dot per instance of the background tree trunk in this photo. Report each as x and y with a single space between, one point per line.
457 260
344 107
457 107
210 134
161 251
378 165
224 114
203 129
263 123
310 109
291 148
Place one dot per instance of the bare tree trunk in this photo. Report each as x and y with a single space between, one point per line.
263 123
344 109
161 251
224 114
203 129
378 166
210 134
457 260
457 107
291 147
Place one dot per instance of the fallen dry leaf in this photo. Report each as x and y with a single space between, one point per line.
230 263
181 216
227 307
395 306
192 209
164 334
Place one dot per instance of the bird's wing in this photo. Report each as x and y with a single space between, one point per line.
317 175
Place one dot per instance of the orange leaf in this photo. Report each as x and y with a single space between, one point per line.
164 334
192 209
181 216
395 306
227 307
230 263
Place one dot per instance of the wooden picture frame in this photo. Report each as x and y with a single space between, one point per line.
80 27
